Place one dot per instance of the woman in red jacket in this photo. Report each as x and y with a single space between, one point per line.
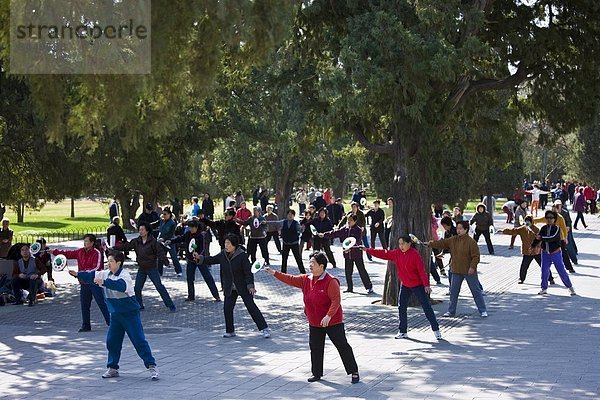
322 306
89 258
413 278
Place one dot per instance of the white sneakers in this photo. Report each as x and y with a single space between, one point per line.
111 373
400 335
484 314
153 372
114 373
571 291
265 332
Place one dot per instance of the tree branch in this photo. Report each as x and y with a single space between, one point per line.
509 82
357 131
466 87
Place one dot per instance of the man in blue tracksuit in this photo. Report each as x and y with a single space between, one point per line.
124 314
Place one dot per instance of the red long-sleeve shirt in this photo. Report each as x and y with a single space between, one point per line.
410 267
333 289
87 260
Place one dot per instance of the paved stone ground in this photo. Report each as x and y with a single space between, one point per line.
530 346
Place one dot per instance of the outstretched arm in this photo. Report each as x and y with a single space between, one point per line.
292 280
381 253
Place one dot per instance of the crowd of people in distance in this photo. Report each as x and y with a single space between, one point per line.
172 236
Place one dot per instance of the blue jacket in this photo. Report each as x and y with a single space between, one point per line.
167 228
118 289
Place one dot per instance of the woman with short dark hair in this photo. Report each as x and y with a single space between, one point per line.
353 255
549 236
322 306
414 280
238 280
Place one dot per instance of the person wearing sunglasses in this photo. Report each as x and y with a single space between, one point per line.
550 238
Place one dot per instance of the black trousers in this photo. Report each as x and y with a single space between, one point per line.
579 217
229 305
362 271
31 285
565 256
488 239
325 245
295 248
525 266
378 232
262 243
337 335
433 270
438 261
275 236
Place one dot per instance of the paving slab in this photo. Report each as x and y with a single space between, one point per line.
530 346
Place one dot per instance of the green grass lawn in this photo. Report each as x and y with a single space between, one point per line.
55 216
472 204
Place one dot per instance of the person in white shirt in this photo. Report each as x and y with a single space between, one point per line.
535 198
301 199
509 208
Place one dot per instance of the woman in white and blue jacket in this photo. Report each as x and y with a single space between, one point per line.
124 313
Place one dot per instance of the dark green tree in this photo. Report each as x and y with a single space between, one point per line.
584 160
399 75
189 41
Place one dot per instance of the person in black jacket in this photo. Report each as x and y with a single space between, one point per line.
199 237
306 235
151 217
224 227
263 199
238 280
113 209
319 201
115 230
549 236
377 216
290 234
483 220
208 206
323 224
335 211
148 254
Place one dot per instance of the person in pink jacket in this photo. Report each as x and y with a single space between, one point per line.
414 280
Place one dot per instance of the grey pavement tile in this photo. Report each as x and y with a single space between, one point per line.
530 346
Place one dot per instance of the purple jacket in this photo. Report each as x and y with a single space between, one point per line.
579 203
355 253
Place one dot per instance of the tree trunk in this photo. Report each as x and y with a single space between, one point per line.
72 207
20 212
412 209
490 203
283 188
129 205
339 189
